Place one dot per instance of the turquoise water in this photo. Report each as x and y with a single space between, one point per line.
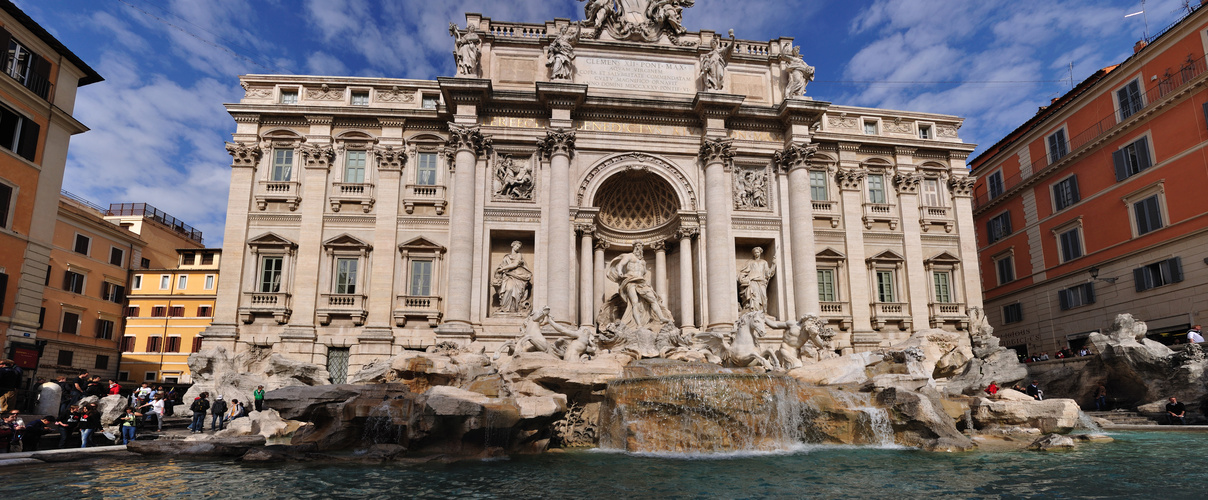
1138 465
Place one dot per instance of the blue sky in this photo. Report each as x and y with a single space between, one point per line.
158 124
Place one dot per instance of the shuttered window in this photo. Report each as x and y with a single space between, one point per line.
1130 160
1158 274
1065 192
1058 146
1148 214
1071 244
998 227
1130 99
1076 296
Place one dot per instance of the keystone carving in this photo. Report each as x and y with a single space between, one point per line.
243 155
557 141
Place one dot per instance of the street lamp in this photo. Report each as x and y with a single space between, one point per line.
1095 276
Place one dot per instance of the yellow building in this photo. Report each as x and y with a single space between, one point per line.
168 309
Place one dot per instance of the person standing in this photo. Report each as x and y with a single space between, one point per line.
258 397
217 413
200 404
128 423
90 422
1176 412
1101 398
157 406
32 439
1195 335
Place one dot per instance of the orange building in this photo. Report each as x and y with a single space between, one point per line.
37 96
1095 206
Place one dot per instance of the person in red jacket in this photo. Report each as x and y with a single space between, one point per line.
992 389
114 388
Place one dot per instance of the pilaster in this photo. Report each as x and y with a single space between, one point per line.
316 160
467 143
961 186
390 158
223 330
795 159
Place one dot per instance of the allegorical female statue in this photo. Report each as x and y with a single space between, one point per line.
512 281
753 279
560 54
713 63
800 73
467 50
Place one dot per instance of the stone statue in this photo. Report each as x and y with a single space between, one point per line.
750 189
514 180
560 54
598 12
668 13
800 73
644 20
512 281
581 341
713 63
467 50
753 281
810 328
642 305
531 339
744 349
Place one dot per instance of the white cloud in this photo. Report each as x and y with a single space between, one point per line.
322 63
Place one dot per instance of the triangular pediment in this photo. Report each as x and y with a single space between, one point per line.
887 256
829 253
944 258
270 239
346 241
421 243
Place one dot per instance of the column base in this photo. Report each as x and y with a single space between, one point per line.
221 331
721 327
376 334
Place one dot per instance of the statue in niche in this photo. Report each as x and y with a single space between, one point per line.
467 50
514 180
560 54
800 73
753 281
531 339
806 336
750 189
642 305
512 281
713 63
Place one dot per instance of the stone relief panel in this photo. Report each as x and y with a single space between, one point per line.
396 95
513 178
324 93
751 188
842 122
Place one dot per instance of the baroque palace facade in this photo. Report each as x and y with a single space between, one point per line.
371 215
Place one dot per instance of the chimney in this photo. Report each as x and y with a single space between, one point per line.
1054 100
1139 45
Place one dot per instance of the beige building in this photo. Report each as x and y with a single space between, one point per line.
371 215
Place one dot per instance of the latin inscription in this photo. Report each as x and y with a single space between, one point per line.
632 74
629 128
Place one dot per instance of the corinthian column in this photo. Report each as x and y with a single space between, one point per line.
660 269
795 159
687 302
466 142
558 145
717 155
586 272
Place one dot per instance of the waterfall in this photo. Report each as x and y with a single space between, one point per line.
879 429
381 426
1086 422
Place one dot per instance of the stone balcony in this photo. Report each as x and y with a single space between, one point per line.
341 304
254 304
937 216
360 193
890 312
417 306
880 212
948 313
836 312
416 194
827 210
288 192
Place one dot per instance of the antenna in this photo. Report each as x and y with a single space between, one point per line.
1071 76
1144 16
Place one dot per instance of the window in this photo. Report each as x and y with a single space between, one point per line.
425 172
999 227
209 282
3 291
1070 244
876 188
870 127
138 282
204 311
182 282
289 96
924 131
270 274
943 286
102 362
1130 160
885 290
818 185
127 344
154 344
421 277
144 263
1129 98
360 98
931 193
173 344
1012 313
41 318
1065 192
6 202
132 311
47 282
1148 215
1006 269
73 282
176 311
826 285
995 185
65 358
149 375
165 282
159 311
104 329
283 164
117 256
1058 146
188 259
346 276
123 376
113 293
18 134
27 68
430 101
197 344
71 323
1076 296
207 259
82 244
354 167
1158 274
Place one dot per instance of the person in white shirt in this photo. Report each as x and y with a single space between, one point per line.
157 409
1195 335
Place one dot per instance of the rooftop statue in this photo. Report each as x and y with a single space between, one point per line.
560 53
800 73
644 20
713 63
468 48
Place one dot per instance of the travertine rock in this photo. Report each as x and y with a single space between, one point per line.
112 407
1001 366
217 372
212 446
1052 442
918 420
1050 415
267 423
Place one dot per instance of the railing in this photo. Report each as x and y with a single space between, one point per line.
354 189
752 48
417 303
280 187
1191 70
425 191
834 309
266 300
512 30
947 309
824 206
155 214
934 212
889 308
881 209
81 200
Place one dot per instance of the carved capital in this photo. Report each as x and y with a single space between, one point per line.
316 156
795 156
907 182
467 138
717 150
962 186
850 178
243 155
687 232
659 246
556 142
601 245
585 228
389 158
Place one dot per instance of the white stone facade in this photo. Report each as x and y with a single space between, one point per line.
456 170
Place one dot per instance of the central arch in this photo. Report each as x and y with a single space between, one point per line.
635 205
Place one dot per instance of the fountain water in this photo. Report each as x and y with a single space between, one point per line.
382 425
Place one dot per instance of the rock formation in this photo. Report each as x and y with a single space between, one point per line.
217 372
